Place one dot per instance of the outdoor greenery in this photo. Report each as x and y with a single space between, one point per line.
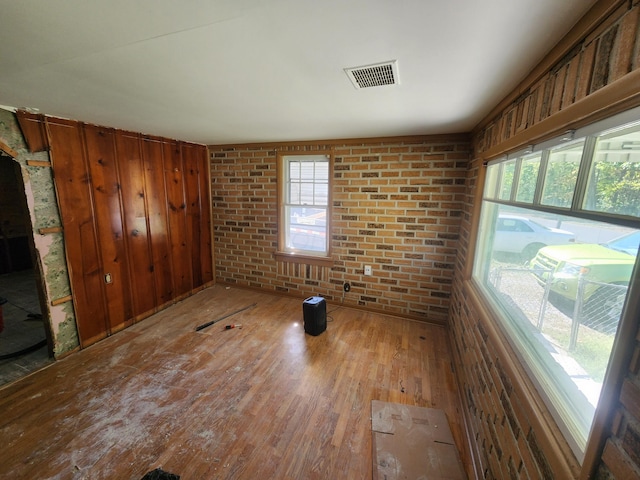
592 349
615 187
561 177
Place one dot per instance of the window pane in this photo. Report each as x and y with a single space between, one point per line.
559 283
307 171
293 193
491 181
305 206
614 179
561 176
306 194
562 306
506 180
529 169
307 229
321 194
294 171
322 171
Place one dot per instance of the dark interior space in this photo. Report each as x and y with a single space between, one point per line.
23 343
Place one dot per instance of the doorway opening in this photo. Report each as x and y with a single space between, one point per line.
25 340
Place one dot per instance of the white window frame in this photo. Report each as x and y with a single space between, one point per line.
494 192
287 249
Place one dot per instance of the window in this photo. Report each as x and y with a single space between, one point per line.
304 213
557 243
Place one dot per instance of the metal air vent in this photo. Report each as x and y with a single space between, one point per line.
375 75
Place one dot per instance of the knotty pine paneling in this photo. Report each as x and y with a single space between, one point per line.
33 130
101 160
134 207
180 248
192 191
136 219
73 189
157 213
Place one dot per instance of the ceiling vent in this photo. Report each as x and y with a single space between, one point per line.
375 75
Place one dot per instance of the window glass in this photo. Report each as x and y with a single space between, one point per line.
557 278
506 179
305 208
529 169
561 175
562 304
614 178
491 180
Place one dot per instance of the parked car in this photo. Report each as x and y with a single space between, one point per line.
521 235
603 266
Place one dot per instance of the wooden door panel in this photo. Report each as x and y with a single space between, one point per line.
176 204
192 194
157 205
135 220
73 189
101 157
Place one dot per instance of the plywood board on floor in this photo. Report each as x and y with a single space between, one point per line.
412 442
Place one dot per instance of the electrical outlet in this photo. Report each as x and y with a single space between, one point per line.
367 270
346 286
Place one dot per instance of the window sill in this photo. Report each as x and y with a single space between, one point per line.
305 259
560 456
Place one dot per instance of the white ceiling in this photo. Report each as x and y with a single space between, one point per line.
228 71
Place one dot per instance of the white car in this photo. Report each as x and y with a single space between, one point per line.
516 234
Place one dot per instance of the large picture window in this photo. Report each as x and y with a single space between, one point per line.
304 204
557 245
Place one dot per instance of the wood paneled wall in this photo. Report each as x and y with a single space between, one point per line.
136 219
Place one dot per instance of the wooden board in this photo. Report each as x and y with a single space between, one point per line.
180 248
73 189
103 169
412 442
158 211
135 219
193 198
33 130
7 150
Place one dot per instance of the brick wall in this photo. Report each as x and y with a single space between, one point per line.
396 206
604 54
510 434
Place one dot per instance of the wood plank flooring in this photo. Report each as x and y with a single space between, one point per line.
265 401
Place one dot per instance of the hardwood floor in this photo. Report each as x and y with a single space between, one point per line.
265 401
